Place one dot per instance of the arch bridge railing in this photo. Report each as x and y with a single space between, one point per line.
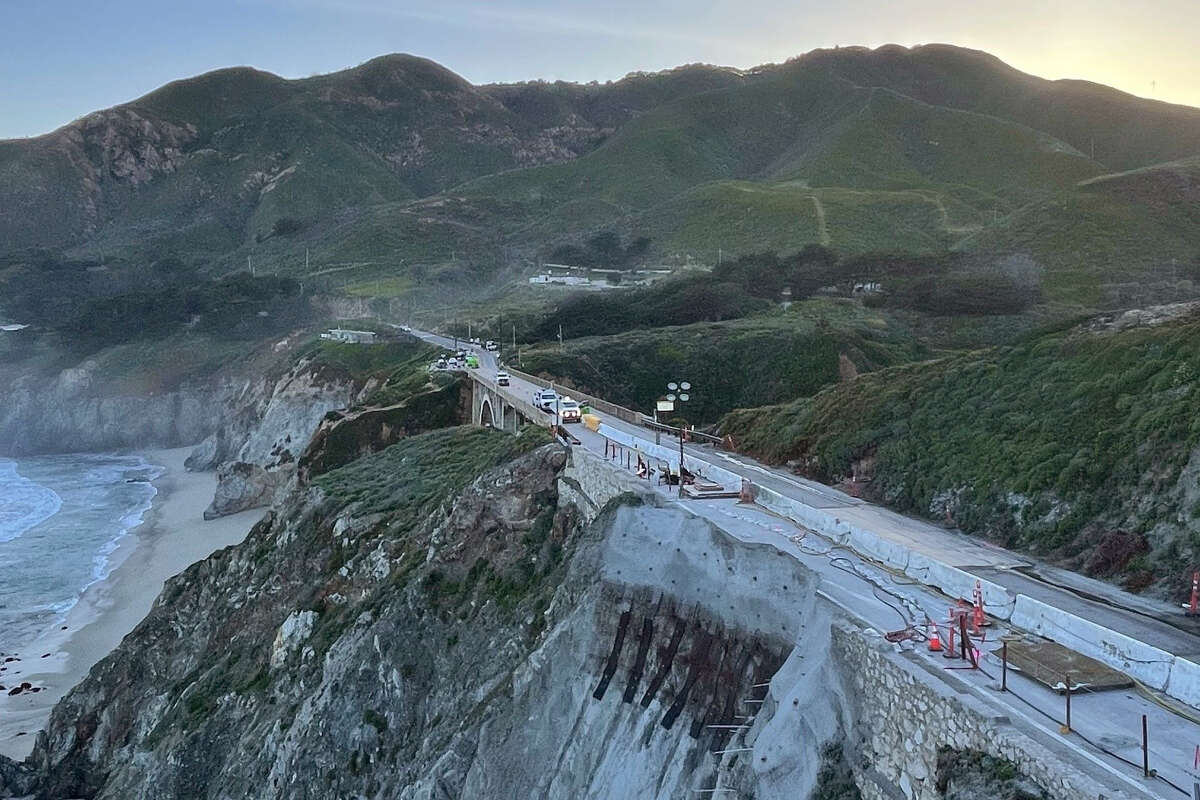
620 412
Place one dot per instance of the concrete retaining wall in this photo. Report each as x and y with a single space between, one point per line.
589 482
904 715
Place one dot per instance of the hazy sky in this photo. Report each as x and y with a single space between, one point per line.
60 60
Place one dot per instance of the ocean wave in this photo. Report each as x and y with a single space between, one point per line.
99 498
23 503
102 564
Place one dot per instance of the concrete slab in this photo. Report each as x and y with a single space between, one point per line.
1051 665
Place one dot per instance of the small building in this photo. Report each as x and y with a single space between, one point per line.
561 280
349 336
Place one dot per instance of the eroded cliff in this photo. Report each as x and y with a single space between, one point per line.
438 620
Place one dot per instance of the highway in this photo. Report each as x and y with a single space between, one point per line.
1155 623
887 602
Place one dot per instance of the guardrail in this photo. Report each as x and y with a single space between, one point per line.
693 435
603 406
620 412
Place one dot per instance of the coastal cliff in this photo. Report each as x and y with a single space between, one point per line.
64 414
436 621
266 425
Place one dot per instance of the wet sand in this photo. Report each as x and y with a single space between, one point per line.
173 536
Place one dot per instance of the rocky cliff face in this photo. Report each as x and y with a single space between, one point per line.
436 621
63 414
269 421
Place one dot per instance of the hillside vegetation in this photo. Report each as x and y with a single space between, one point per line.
1080 444
398 175
746 362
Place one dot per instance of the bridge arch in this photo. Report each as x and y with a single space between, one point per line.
487 416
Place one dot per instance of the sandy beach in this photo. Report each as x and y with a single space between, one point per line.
173 536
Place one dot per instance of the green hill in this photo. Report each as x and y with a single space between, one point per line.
1075 444
404 171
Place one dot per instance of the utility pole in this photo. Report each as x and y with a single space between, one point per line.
306 260
560 343
249 266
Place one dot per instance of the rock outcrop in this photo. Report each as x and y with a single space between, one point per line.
268 424
345 436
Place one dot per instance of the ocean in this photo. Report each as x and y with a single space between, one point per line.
61 520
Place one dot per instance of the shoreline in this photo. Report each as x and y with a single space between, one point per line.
173 535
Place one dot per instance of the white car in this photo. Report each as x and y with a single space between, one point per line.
492 346
502 378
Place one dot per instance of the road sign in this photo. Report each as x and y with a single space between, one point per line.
666 405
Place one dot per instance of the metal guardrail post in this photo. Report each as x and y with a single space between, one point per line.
1145 749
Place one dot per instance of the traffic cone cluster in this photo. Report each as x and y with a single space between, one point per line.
1192 607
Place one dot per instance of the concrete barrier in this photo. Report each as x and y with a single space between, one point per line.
951 581
1184 682
1138 660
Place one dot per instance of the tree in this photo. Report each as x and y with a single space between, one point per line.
607 249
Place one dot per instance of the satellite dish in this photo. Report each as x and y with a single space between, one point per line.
672 386
671 397
683 397
685 386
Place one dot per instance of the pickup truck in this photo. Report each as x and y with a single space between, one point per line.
491 346
545 399
568 410
502 378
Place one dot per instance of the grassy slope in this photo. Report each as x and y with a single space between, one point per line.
1107 240
1089 432
740 363
448 460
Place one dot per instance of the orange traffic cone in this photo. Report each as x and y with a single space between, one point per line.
935 642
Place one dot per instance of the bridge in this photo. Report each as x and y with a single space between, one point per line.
493 407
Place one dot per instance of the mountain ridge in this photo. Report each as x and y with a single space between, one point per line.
401 162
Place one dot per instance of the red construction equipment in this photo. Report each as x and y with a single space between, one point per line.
1192 606
959 613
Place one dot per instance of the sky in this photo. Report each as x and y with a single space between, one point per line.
60 60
